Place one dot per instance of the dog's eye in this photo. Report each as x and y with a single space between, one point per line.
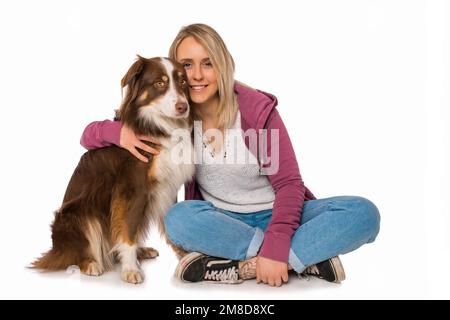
160 84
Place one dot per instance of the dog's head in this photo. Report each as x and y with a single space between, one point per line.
155 91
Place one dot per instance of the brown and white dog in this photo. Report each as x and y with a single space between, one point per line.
112 196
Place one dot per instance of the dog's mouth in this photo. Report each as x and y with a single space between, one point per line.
183 115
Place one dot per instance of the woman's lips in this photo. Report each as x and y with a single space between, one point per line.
198 88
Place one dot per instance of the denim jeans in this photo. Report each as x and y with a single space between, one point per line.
329 227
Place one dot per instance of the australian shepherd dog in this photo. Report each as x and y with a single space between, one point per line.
112 197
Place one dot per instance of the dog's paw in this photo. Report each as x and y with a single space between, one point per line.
132 276
147 253
92 268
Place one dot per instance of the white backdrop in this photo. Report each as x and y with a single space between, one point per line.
363 87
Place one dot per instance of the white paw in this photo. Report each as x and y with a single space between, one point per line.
132 276
93 269
147 253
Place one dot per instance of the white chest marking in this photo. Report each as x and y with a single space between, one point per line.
172 172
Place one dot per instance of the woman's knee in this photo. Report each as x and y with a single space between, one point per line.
360 213
181 214
368 215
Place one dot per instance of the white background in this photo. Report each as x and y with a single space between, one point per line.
363 87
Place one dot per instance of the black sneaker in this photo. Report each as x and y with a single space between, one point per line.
330 270
196 267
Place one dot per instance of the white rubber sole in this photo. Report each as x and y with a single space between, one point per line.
185 262
338 269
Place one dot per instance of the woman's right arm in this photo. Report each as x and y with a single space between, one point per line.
99 134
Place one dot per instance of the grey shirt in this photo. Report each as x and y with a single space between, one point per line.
230 178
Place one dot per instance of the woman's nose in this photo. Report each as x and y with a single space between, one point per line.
197 73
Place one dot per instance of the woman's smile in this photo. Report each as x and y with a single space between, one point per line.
197 88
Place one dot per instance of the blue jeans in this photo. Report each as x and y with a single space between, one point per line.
329 227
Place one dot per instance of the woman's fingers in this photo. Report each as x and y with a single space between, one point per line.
278 282
285 277
273 282
149 139
143 146
130 141
138 155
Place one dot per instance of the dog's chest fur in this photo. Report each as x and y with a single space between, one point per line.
170 171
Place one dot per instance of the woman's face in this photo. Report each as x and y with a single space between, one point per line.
201 75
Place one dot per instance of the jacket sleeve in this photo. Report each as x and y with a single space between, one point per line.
99 134
289 193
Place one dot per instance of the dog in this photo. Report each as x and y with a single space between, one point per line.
112 197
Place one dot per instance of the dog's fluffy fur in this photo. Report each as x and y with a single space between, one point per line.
112 196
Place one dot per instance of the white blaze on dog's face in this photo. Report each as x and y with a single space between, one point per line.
163 90
172 96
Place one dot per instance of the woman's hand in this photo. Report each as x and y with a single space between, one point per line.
271 272
130 141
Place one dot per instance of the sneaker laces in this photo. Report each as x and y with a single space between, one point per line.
226 275
312 270
308 272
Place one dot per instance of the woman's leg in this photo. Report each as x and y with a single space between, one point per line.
196 225
329 227
333 226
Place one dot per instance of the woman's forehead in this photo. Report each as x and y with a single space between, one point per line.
190 48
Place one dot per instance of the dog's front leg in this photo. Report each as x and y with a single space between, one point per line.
131 272
125 236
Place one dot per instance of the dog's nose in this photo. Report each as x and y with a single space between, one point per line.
181 107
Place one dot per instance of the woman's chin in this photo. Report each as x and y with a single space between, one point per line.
199 99
203 98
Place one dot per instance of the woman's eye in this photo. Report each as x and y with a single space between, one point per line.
208 64
160 84
187 65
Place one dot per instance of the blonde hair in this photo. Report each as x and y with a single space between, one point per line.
223 65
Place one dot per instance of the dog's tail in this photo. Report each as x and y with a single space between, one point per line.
52 261
65 235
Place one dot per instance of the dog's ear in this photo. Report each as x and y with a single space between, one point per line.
134 72
130 87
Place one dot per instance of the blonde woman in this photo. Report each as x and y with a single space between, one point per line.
245 219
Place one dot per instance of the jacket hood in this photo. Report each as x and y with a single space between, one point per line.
255 106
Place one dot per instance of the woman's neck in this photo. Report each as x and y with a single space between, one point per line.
207 111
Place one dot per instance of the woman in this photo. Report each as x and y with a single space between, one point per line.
257 216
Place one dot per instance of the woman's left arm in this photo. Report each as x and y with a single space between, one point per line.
289 193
